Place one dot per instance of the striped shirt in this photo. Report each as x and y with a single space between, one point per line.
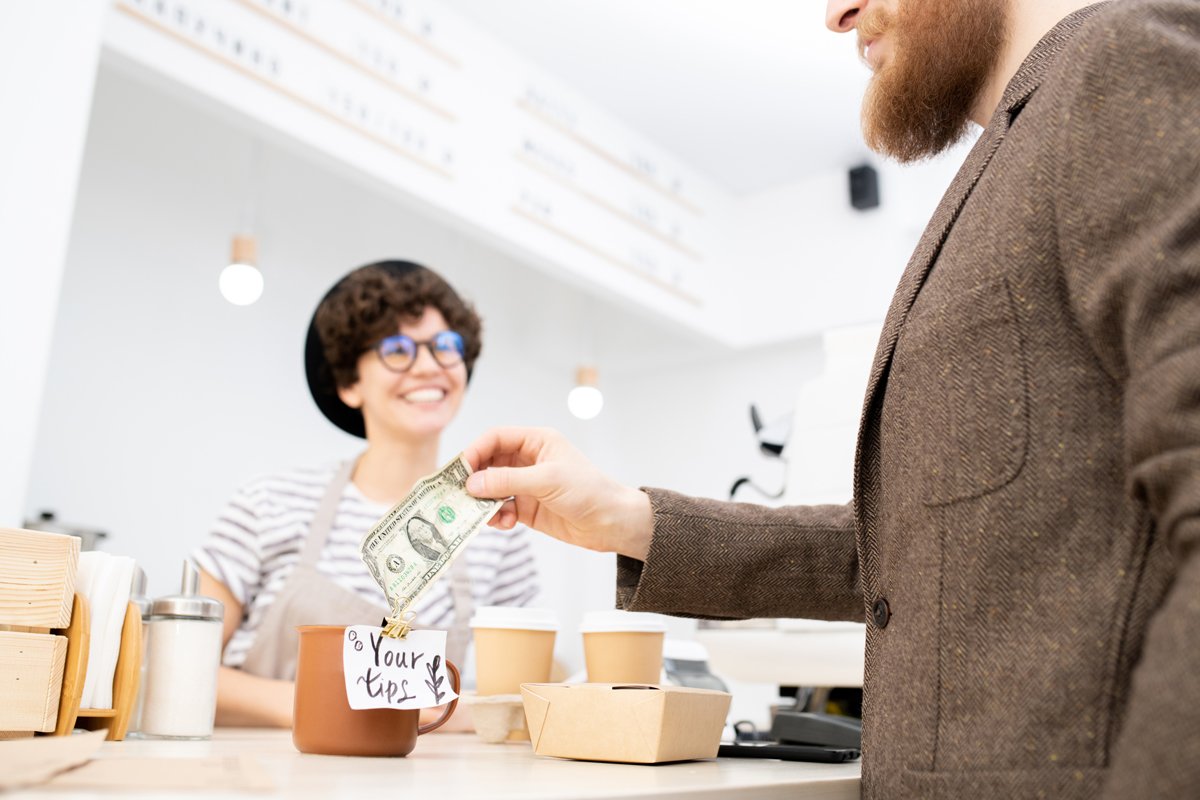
256 542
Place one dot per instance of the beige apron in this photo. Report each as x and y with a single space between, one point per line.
310 598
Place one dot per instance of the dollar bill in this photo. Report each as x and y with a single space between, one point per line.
415 542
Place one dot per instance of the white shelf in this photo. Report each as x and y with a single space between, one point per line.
811 653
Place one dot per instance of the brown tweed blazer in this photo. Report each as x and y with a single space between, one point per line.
1025 531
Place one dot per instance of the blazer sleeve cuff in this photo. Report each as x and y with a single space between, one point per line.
716 560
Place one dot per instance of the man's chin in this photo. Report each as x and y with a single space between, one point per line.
892 129
921 97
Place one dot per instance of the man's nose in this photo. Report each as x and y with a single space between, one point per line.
840 15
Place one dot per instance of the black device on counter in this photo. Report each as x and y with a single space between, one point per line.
800 736
824 730
788 752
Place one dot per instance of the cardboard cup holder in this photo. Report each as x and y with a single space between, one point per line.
498 718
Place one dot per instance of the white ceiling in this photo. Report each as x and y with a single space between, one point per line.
752 93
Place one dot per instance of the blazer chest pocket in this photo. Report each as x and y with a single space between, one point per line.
962 406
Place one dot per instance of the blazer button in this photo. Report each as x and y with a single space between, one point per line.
881 613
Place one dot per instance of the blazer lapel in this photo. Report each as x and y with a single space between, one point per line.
867 457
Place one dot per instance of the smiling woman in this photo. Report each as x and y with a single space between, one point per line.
389 354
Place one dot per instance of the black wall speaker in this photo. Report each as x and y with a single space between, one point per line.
864 187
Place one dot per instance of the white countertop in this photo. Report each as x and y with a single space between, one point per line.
457 765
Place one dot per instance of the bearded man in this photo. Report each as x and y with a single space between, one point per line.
1025 533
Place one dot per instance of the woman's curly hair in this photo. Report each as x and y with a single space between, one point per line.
371 302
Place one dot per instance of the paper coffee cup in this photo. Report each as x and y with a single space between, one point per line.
512 646
623 646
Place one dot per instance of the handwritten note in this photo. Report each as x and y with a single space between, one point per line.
382 672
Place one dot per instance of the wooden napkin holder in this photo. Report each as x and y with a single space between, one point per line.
126 679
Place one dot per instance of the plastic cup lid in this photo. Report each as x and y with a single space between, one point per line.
622 622
515 618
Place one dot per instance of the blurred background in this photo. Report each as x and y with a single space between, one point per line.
657 192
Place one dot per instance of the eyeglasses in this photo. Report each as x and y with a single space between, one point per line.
398 353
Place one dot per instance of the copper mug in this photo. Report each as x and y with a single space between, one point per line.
323 720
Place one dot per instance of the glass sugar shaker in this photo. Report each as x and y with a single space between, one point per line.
183 654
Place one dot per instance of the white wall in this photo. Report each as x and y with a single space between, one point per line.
824 431
686 426
798 259
161 397
41 144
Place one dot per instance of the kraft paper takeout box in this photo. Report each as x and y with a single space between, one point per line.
615 722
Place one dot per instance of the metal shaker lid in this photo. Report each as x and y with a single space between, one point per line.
187 603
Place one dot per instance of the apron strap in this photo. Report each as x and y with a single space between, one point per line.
322 522
273 651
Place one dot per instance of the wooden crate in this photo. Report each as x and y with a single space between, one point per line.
37 579
31 678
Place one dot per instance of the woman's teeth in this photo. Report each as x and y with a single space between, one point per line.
425 395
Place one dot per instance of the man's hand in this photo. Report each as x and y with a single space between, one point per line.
556 490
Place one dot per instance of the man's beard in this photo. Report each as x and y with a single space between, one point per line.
942 54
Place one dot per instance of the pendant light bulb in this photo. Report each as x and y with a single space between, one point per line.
585 401
241 282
